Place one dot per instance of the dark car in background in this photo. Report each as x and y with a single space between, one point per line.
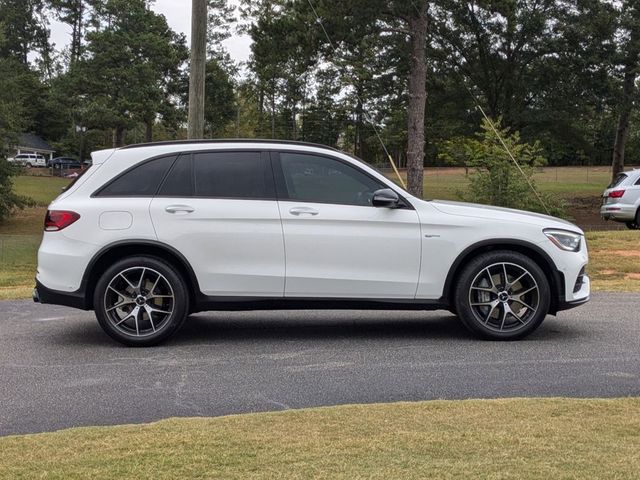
64 162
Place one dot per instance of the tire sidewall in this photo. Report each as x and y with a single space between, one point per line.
181 300
475 266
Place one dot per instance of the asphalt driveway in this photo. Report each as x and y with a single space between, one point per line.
58 370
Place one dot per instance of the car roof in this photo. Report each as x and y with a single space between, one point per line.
230 141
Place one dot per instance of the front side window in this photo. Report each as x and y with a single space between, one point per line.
141 181
233 175
314 178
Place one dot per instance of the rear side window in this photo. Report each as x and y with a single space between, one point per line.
179 181
233 175
140 181
618 180
637 181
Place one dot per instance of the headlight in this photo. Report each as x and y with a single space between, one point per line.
564 239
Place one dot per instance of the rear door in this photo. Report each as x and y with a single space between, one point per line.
218 209
337 244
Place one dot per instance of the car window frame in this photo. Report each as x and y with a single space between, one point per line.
283 192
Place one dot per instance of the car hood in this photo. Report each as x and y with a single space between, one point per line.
504 214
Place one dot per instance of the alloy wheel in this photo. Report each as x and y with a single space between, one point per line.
139 301
504 297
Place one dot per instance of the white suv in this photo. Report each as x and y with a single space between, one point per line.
29 160
621 200
151 233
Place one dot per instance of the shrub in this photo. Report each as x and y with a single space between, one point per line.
9 201
495 179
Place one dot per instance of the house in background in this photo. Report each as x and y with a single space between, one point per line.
31 143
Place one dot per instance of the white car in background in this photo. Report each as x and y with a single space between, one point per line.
28 160
621 200
150 233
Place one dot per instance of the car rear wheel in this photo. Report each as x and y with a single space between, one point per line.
635 225
141 301
502 295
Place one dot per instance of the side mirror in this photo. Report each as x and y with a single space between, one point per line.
385 197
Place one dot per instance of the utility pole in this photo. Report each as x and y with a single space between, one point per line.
197 68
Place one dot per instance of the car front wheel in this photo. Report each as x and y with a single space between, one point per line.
502 295
141 301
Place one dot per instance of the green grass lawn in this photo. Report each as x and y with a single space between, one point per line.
40 188
511 438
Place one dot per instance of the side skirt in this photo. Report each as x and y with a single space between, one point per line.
207 303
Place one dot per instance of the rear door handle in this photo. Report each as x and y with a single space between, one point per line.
179 209
297 211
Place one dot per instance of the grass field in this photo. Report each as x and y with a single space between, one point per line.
566 182
615 256
516 438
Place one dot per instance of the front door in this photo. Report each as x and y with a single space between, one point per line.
337 244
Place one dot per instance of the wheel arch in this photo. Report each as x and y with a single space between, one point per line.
122 249
544 261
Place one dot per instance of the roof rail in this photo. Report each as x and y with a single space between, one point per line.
228 140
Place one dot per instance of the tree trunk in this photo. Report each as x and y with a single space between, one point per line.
197 68
273 114
118 137
417 99
148 134
624 120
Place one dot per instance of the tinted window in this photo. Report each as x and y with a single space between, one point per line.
179 182
638 182
142 181
618 180
232 175
311 178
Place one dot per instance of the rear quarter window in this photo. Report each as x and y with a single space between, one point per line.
140 181
618 180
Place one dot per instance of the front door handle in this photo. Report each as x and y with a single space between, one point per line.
179 209
297 211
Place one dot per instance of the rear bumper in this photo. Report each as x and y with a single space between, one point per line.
619 212
42 294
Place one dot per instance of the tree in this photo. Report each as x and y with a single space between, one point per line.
14 119
631 68
198 67
73 13
132 60
219 104
25 28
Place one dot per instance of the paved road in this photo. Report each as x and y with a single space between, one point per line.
57 368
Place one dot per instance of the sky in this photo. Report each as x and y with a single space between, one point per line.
178 15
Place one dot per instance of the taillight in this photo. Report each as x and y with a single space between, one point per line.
616 194
56 220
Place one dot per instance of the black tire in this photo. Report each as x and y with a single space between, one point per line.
117 295
635 225
491 312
